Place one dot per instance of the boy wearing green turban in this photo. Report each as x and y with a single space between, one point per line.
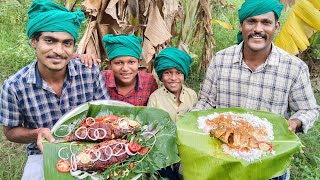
256 74
172 66
124 81
36 97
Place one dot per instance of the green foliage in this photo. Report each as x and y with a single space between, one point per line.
14 49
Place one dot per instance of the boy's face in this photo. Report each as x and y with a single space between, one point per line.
173 79
125 70
53 50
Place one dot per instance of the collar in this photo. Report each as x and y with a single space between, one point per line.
35 77
172 96
273 59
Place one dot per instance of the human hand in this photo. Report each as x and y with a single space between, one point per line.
89 59
294 125
43 133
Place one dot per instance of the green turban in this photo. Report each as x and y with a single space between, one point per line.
257 7
122 45
172 58
47 16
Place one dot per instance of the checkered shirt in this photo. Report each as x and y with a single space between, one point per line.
281 85
28 101
138 96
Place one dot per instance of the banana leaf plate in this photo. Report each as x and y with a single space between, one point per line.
164 152
202 156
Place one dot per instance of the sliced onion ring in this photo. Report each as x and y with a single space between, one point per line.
92 119
128 151
76 133
63 125
92 138
59 154
122 147
110 155
97 154
97 133
73 163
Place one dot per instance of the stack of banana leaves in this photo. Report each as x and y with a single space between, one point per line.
203 157
102 141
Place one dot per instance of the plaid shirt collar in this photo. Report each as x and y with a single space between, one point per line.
272 60
112 82
35 78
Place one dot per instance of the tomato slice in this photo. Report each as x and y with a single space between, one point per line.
134 147
63 166
144 151
111 117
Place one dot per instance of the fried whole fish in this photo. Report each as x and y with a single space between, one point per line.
238 134
102 128
101 156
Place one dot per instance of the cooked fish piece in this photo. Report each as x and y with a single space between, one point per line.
104 129
100 156
236 132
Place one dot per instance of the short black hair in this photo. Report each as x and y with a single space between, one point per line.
36 36
275 16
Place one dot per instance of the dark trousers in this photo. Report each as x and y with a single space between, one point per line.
171 172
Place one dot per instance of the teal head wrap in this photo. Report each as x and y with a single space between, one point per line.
257 7
122 45
47 16
172 58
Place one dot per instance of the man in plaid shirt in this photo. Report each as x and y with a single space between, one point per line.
255 74
33 99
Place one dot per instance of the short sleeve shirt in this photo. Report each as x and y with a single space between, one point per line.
28 101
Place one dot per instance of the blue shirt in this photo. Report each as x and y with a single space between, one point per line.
28 101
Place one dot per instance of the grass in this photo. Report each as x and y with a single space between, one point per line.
16 53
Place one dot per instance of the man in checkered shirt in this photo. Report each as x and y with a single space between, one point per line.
255 74
33 99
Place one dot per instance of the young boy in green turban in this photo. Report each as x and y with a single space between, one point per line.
124 81
172 67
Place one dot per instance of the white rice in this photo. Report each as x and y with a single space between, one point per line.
255 121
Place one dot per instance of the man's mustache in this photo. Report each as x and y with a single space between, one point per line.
257 34
57 56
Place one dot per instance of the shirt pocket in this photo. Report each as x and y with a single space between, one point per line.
274 100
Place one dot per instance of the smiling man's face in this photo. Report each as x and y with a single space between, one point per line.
53 50
258 31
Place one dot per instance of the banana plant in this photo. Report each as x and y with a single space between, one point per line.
302 23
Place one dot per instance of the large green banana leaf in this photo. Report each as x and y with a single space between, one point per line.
164 153
202 156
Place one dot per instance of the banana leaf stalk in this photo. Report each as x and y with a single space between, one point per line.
202 156
163 153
